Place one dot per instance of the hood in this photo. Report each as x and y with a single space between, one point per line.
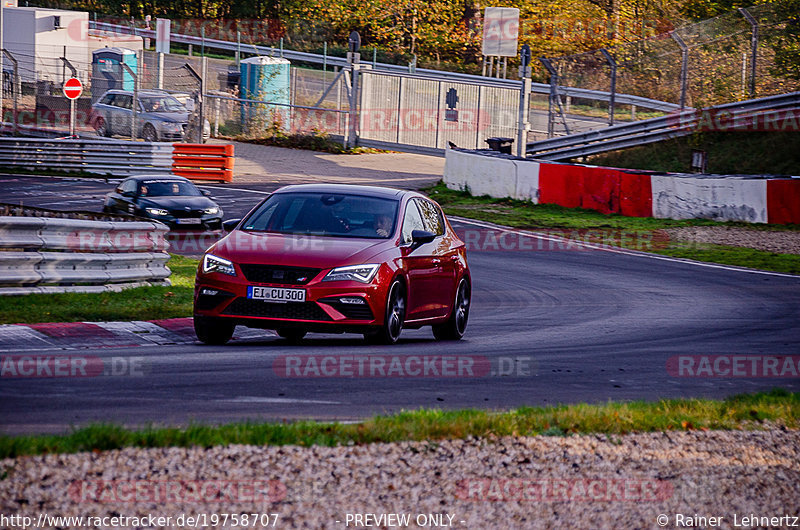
296 250
178 203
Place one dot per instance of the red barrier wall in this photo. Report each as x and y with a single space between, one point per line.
635 194
783 201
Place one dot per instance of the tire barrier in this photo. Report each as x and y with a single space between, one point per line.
119 158
753 199
45 255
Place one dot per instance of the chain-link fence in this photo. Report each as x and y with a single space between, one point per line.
728 58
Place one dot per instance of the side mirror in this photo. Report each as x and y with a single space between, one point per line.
230 224
206 193
128 193
420 237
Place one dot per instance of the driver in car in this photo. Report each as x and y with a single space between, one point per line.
383 224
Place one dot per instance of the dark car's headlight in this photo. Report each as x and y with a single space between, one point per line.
360 273
212 263
211 211
157 211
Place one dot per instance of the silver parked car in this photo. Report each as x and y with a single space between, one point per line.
160 117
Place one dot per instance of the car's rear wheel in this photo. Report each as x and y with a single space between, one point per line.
292 335
392 326
101 127
456 325
214 331
149 133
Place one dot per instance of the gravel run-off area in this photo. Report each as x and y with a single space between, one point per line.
779 241
581 481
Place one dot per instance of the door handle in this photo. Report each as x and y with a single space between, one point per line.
436 261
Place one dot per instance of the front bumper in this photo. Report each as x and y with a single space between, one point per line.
207 222
224 296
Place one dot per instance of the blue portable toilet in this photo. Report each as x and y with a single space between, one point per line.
265 79
107 72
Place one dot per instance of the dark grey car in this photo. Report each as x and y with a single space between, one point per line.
160 117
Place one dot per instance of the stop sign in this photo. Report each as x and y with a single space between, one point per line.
73 88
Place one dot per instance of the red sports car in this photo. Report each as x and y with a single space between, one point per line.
335 258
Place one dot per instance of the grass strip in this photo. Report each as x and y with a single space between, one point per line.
745 411
636 230
140 303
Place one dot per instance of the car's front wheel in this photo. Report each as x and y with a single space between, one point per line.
101 128
213 331
395 316
456 325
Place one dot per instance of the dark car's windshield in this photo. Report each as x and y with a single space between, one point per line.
325 214
154 188
161 104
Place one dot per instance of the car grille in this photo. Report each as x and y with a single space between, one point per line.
278 274
354 311
185 214
245 307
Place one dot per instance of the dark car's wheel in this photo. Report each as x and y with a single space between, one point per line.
456 325
213 331
395 316
101 127
292 335
149 133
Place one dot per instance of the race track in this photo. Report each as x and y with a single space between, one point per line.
591 325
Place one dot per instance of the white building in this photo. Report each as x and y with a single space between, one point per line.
38 37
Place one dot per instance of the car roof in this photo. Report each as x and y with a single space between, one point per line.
164 178
140 93
351 189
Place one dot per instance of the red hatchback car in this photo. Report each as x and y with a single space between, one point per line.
335 258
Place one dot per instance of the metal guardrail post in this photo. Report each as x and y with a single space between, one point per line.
160 70
613 65
753 50
684 66
17 86
353 59
554 100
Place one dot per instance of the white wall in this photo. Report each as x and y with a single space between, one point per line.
721 199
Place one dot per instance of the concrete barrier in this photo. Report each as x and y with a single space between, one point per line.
753 199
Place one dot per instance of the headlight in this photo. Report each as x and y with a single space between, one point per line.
157 211
212 263
171 126
211 211
359 273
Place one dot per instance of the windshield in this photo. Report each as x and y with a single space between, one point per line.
161 104
325 214
154 188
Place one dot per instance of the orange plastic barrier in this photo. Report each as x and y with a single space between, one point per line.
203 162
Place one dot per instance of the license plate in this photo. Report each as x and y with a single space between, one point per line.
276 294
190 221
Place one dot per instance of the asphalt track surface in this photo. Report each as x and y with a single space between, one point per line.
576 325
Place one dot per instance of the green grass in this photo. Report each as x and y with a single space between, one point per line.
738 412
638 230
141 303
773 153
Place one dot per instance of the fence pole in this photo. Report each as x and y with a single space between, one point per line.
524 101
684 66
238 48
753 49
72 69
161 70
17 86
553 91
353 60
135 101
216 117
613 65
201 102
202 41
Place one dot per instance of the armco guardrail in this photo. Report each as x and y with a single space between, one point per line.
658 129
292 55
46 255
119 158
